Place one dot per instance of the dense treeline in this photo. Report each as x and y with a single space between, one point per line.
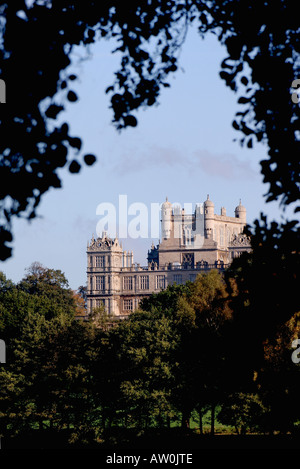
220 346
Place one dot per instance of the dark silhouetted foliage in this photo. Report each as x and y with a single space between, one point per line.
37 39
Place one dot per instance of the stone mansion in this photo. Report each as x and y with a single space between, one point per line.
190 244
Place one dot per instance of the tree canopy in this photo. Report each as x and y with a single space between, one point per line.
262 43
79 382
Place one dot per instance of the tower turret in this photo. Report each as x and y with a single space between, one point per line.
209 208
166 214
240 212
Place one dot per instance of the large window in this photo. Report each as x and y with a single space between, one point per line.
100 303
144 282
128 305
188 260
128 282
221 236
100 282
160 281
99 261
178 279
228 236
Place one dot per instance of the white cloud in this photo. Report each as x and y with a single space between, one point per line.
220 165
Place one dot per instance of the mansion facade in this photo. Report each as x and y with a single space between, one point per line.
190 244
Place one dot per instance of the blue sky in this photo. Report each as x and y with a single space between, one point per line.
184 149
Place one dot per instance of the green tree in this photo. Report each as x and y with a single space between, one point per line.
263 285
209 299
264 299
47 380
166 300
278 379
172 303
51 286
147 342
243 412
101 318
15 304
199 312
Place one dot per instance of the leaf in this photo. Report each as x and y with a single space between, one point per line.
89 159
64 128
53 110
235 125
203 18
130 121
226 76
250 143
246 130
75 142
234 47
74 167
224 64
243 100
72 96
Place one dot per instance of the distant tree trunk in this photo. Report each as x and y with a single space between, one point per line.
212 423
103 421
146 422
200 421
160 421
185 419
